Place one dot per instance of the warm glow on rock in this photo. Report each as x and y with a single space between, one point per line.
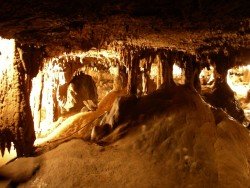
91 53
207 76
7 52
154 71
53 75
8 155
114 70
46 82
176 71
7 55
239 80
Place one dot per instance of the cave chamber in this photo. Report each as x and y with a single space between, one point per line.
124 94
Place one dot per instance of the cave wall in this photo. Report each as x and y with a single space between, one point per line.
16 123
191 33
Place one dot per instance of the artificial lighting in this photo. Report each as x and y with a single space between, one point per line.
177 72
114 70
154 71
239 80
7 53
207 75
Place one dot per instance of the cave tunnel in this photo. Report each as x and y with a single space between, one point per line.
125 94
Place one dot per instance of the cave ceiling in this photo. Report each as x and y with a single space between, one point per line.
70 25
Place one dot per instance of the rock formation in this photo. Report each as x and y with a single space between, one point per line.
116 59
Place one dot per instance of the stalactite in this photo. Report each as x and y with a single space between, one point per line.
16 117
163 72
145 80
132 74
55 102
120 79
35 98
26 135
167 61
159 72
220 77
222 96
31 59
221 66
197 83
189 71
40 101
146 74
123 75
144 83
169 72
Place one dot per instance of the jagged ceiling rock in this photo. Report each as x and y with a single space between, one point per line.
64 25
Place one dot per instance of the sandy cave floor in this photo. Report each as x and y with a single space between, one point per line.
187 145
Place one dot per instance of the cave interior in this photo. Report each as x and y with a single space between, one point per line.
125 84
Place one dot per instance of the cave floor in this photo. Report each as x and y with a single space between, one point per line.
186 145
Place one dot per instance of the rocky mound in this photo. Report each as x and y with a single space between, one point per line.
186 143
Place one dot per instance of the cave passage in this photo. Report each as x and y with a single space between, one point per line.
76 83
70 84
124 93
